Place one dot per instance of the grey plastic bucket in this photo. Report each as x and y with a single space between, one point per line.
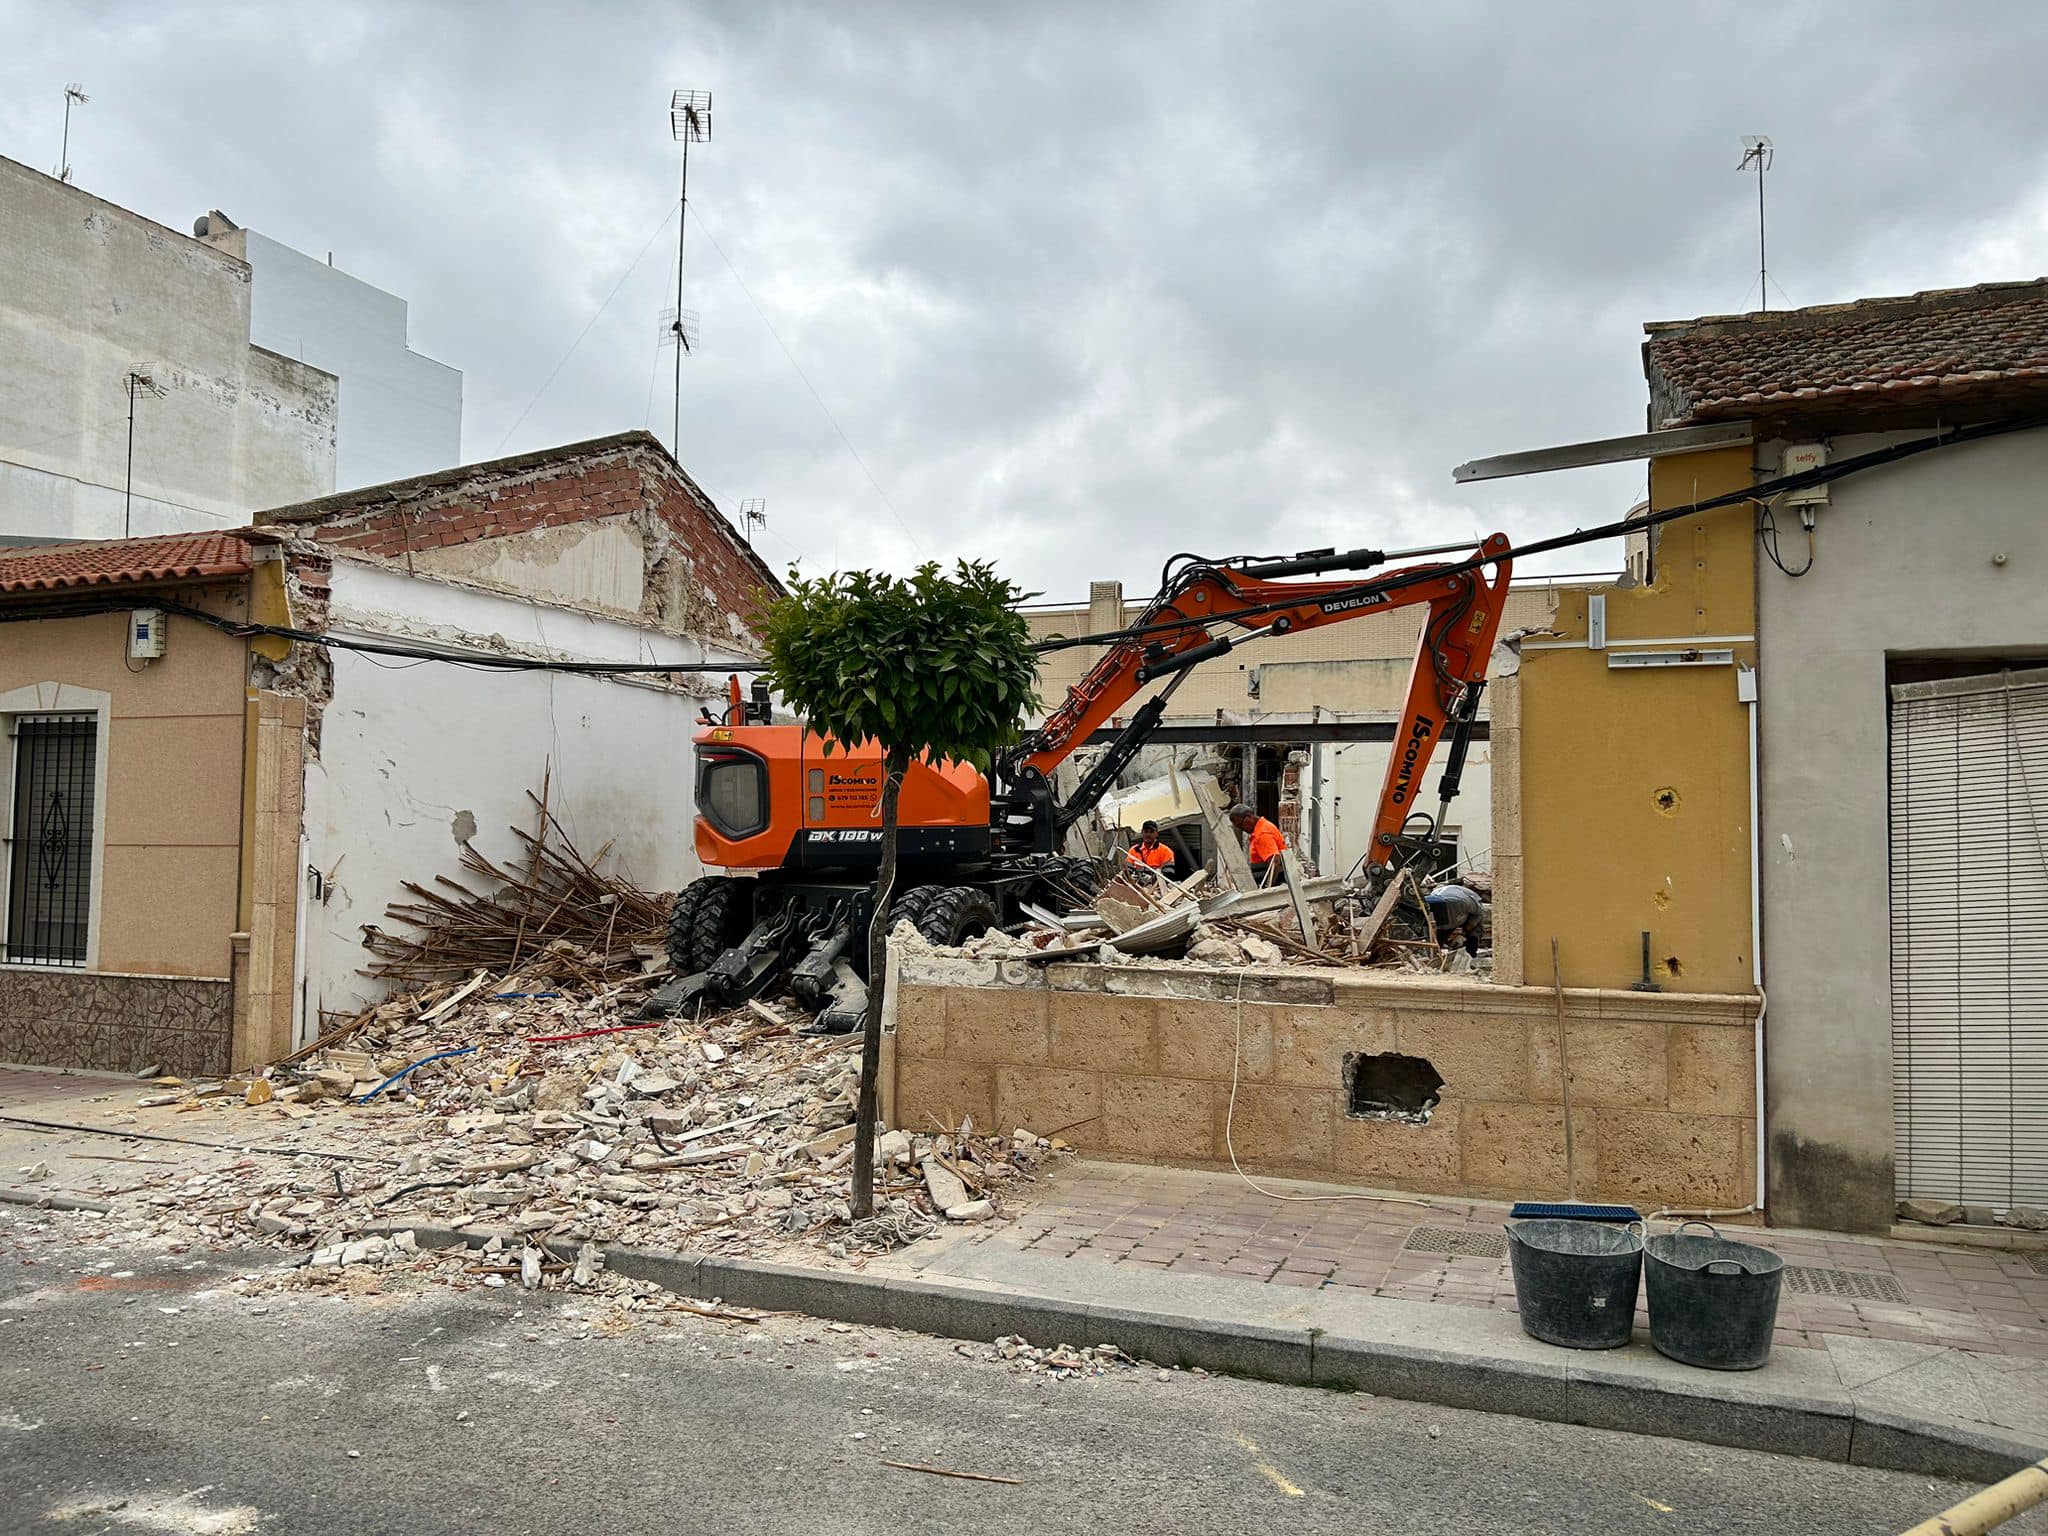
1576 1281
1713 1302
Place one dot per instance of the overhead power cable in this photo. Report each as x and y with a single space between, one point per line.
1840 469
492 662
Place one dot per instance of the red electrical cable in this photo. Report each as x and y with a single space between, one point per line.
585 1034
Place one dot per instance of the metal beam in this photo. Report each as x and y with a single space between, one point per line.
1290 733
1608 450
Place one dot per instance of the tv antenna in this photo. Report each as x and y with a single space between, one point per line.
72 92
1756 150
139 382
753 514
681 328
689 121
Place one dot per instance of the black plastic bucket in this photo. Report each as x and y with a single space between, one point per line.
1713 1302
1576 1281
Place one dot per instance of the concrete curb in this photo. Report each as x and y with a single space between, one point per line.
1713 1408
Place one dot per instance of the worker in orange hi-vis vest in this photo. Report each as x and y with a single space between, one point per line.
1264 841
1151 854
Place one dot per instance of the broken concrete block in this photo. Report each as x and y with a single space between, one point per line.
2029 1218
1933 1213
652 1085
1211 950
259 1092
946 1188
557 1091
529 1269
1262 951
1980 1216
824 1146
971 1210
892 1147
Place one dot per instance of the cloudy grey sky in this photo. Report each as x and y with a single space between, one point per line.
1082 284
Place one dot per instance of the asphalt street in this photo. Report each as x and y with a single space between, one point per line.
138 1391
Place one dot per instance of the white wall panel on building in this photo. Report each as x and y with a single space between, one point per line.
1344 800
400 413
414 757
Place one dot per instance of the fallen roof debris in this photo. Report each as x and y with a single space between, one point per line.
512 1092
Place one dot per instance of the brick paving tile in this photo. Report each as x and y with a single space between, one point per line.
1296 1278
1202 1223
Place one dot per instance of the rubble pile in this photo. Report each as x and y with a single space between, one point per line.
544 1115
1062 1362
1304 921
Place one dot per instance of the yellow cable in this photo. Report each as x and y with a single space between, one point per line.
1230 1115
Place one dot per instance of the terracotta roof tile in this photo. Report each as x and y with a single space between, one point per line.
125 562
1940 346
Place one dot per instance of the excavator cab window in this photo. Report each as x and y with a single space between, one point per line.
732 791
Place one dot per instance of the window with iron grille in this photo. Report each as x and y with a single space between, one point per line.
49 841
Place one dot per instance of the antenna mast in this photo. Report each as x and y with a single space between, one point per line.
72 92
689 120
1756 150
753 514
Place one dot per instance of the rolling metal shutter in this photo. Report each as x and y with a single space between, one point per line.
1969 938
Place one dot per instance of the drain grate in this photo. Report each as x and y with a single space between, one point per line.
1456 1241
1857 1284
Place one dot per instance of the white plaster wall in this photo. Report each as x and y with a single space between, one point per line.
400 412
1347 792
88 292
1903 566
410 754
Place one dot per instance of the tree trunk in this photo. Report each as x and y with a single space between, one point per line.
893 769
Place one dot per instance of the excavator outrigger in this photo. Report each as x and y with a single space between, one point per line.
805 824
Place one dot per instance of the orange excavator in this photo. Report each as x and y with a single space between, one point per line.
805 828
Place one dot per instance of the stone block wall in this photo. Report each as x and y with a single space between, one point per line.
1135 1062
115 1023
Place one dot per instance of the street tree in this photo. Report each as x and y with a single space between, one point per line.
934 666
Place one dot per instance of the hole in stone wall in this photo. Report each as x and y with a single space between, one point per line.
1390 1087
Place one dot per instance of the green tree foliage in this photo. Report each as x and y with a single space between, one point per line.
936 667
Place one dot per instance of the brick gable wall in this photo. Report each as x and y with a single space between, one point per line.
721 581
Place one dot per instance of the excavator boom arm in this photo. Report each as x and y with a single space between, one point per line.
1189 624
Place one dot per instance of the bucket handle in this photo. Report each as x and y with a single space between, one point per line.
1724 1267
1696 1222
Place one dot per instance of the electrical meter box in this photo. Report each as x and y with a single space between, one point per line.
1799 458
146 634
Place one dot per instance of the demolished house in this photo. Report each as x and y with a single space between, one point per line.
215 814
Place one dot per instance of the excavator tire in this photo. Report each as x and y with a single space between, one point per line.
957 913
682 917
708 918
910 905
1066 879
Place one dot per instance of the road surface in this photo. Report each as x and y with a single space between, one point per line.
138 1391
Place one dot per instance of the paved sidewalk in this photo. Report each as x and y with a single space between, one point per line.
1179 1221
